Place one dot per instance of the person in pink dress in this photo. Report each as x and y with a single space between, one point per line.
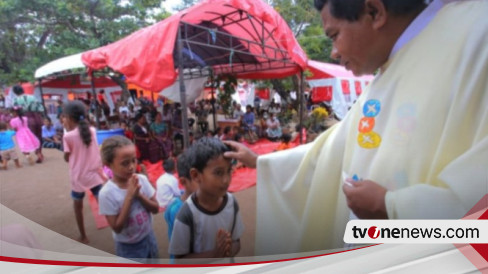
34 111
27 141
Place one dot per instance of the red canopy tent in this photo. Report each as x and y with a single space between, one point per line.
334 84
246 38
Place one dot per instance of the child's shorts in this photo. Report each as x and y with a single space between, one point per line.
146 248
9 154
80 195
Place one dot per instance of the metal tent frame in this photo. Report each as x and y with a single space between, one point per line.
205 50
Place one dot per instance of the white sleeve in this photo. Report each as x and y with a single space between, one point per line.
466 178
174 187
180 239
238 225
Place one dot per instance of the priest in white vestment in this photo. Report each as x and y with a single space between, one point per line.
415 144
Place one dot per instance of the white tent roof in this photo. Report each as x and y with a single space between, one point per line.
61 64
194 87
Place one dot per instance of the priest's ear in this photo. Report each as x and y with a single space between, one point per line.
376 11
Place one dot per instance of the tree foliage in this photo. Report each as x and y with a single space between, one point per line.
305 22
185 4
34 32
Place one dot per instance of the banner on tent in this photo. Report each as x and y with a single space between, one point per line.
320 94
359 88
263 93
345 87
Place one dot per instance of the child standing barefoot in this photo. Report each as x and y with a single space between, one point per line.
127 201
82 153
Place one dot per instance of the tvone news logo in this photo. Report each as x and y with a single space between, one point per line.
415 231
373 232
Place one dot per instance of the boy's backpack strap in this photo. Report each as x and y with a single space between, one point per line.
236 209
186 217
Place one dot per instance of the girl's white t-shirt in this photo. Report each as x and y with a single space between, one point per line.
139 224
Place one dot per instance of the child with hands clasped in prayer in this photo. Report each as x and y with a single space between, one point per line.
127 201
208 224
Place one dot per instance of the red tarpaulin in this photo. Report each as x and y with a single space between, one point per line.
147 57
321 70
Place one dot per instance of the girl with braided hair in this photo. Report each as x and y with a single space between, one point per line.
83 155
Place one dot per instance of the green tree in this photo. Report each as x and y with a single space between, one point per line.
185 4
34 32
317 46
305 22
299 14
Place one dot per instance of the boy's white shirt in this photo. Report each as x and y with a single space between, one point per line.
167 189
205 228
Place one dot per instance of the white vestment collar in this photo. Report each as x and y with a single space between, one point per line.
417 25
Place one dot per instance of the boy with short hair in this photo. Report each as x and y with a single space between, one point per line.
7 146
190 186
209 224
167 184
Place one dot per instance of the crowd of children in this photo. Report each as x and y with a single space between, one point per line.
203 219
28 143
25 118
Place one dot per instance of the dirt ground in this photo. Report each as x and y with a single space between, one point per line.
41 193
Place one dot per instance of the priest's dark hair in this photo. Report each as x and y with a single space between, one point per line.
351 10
